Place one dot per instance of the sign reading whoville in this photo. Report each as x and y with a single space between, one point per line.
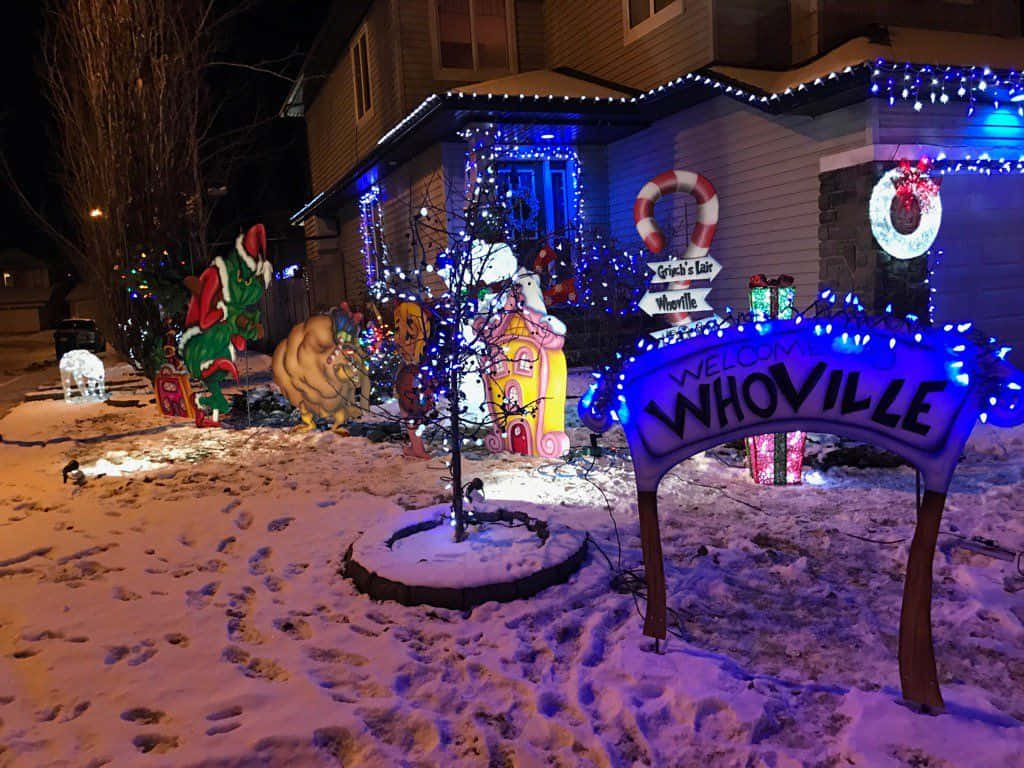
698 394
914 390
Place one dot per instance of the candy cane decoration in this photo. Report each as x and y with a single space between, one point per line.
703 231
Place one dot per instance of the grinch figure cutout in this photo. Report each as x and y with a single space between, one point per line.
321 368
221 319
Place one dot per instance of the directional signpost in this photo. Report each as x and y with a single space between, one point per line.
680 298
704 268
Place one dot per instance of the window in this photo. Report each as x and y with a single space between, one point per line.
361 76
538 194
472 37
8 280
641 16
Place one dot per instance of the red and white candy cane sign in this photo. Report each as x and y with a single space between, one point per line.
703 231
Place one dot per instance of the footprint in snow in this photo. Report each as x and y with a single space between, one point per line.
77 711
258 562
136 654
200 598
279 524
125 595
216 730
143 716
294 627
46 634
154 742
223 714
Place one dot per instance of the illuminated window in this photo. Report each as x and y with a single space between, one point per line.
539 194
8 280
641 16
472 37
361 75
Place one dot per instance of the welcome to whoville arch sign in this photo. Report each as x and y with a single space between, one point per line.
914 390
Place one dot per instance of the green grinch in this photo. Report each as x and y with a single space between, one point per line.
221 318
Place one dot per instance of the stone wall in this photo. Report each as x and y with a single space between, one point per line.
851 259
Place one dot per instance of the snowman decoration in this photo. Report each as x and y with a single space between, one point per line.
493 263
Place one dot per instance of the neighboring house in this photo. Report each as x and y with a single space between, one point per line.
83 301
26 294
792 108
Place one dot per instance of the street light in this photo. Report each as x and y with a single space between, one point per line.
96 213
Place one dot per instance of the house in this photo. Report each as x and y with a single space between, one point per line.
793 109
27 298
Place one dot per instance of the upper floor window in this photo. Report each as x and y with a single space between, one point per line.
472 38
8 280
641 16
361 75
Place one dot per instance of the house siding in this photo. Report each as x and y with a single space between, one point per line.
979 277
530 34
417 55
336 266
594 178
588 35
949 126
336 139
765 169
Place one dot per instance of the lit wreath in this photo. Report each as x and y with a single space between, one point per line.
905 210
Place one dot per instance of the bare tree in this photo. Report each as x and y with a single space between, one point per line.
126 82
467 284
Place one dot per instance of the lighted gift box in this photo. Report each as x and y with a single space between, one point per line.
775 459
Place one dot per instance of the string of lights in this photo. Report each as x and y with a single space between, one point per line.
372 243
983 164
921 84
851 328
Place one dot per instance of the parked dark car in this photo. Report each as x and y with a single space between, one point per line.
78 333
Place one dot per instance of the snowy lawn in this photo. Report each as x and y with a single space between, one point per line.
183 608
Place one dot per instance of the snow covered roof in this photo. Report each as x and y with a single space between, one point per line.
17 258
835 79
920 46
544 82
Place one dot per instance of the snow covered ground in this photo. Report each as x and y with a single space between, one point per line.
183 608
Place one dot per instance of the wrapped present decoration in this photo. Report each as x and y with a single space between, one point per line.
775 459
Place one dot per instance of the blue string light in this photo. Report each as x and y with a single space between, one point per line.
973 355
924 84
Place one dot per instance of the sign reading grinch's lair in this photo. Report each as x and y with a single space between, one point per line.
912 390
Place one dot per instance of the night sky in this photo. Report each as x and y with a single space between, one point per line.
272 179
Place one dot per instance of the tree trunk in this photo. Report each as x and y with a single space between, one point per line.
458 508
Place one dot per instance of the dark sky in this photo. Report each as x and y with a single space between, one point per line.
273 178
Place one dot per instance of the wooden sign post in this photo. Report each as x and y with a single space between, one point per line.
914 390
